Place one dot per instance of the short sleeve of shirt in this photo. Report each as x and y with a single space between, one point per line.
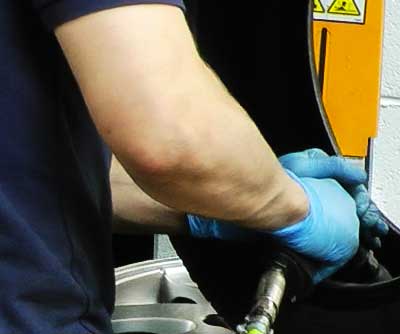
57 12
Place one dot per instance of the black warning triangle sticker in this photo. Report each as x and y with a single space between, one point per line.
318 8
344 7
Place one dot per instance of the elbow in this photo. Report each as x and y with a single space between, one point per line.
159 158
154 162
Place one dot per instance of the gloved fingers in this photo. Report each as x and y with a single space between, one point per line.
374 220
299 162
302 163
361 197
372 225
312 153
382 227
316 153
342 171
317 164
371 218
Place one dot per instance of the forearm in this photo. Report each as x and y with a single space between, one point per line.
224 168
135 212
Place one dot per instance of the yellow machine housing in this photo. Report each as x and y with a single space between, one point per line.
348 51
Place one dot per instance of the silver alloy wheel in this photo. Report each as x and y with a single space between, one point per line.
159 297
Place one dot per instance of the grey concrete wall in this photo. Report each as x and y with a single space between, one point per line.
385 176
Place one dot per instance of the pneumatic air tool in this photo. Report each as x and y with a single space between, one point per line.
288 276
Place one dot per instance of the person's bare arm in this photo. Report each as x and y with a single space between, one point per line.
135 212
178 132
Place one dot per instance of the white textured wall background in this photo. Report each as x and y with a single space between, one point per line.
385 178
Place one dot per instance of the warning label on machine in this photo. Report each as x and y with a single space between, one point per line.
350 11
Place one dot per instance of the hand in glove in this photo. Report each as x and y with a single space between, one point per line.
317 164
330 232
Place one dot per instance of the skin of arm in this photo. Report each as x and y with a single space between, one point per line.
135 212
171 122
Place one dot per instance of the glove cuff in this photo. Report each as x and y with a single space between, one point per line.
199 227
207 228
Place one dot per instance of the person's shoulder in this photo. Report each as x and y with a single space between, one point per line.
55 13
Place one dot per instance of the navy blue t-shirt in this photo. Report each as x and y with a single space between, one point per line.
56 271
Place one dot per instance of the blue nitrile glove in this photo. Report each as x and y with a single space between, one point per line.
207 228
373 223
329 234
317 164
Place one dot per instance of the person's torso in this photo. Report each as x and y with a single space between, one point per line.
56 272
